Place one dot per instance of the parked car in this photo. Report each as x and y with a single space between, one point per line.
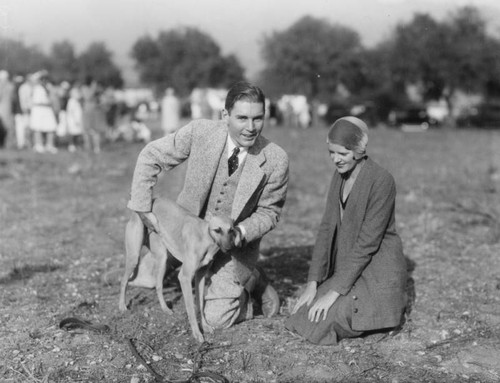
412 118
485 115
365 111
335 111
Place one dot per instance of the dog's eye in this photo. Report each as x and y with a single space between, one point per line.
218 230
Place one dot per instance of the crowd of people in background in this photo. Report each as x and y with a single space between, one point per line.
288 110
37 114
40 115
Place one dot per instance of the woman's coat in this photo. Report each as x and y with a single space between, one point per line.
369 264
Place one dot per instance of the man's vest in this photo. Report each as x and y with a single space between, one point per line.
220 200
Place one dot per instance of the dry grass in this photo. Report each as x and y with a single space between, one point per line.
62 219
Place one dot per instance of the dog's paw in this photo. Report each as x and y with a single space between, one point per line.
165 308
207 329
199 337
122 307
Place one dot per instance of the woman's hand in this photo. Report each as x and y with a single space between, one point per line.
307 296
322 305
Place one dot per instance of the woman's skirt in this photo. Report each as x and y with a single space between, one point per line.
43 119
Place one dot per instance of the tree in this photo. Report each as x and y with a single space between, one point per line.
442 58
17 58
184 59
373 84
96 63
492 61
476 63
63 62
311 57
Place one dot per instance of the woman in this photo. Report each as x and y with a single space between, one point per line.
74 118
357 277
43 119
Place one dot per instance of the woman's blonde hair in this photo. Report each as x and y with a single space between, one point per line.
350 132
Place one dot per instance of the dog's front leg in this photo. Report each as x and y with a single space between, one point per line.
160 253
186 280
200 280
162 267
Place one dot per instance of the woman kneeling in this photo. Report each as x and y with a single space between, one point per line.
357 278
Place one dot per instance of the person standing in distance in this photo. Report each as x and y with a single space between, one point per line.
170 112
233 171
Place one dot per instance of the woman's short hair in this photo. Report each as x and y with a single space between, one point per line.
243 90
350 132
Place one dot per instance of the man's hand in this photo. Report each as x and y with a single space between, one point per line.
306 297
322 305
150 221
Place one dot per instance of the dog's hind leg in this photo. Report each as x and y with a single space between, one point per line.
162 267
134 238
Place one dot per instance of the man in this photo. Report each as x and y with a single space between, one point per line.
170 112
22 110
232 171
6 113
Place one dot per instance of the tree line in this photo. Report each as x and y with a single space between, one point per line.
438 58
313 57
62 62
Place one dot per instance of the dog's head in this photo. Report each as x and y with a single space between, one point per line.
222 232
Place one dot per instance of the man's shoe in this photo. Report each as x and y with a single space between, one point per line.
270 302
264 295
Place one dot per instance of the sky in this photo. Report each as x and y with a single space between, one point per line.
237 26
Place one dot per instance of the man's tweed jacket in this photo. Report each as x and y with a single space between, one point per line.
369 266
260 194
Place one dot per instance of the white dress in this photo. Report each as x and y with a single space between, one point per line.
170 114
74 118
43 118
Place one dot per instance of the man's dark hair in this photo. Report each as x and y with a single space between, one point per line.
243 90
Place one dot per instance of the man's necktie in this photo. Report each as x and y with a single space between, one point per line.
232 162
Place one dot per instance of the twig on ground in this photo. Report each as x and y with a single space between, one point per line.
246 358
445 342
370 368
29 373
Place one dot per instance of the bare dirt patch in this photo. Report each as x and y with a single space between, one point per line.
62 219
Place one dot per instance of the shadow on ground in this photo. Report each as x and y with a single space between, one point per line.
26 272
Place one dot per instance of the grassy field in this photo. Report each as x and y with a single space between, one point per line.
62 219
